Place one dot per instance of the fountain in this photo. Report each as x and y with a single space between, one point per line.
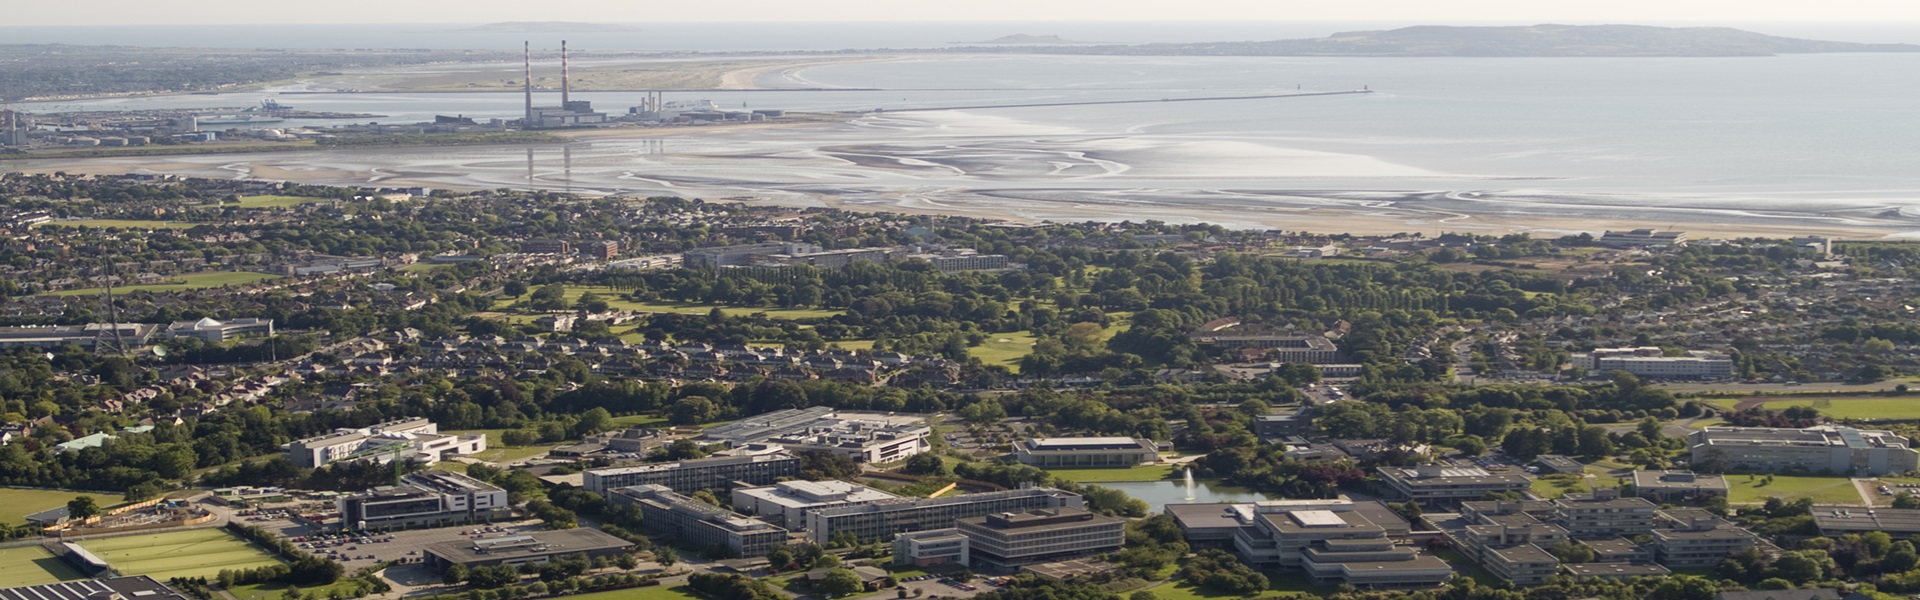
1190 492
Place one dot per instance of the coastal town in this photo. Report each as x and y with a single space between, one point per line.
237 389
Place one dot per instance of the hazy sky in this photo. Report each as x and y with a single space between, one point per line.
124 12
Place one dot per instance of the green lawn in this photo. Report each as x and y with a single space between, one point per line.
1743 489
653 592
1863 408
271 201
175 283
22 502
640 421
1004 349
1280 586
123 223
196 553
275 590
1139 473
426 267
497 451
33 565
1555 486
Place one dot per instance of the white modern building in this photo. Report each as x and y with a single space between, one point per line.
1011 539
1437 484
1086 452
786 503
1827 448
865 437
214 332
932 547
1652 363
425 498
417 439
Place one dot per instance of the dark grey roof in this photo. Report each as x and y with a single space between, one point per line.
139 587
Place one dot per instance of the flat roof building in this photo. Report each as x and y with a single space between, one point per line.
1643 238
932 547
138 587
1443 485
1086 452
538 547
1678 486
1651 362
401 439
425 498
1692 538
699 524
1604 514
1827 449
1334 547
786 503
882 520
865 437
697 474
85 336
1011 539
214 332
1838 520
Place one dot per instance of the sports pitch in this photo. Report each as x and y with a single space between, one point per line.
33 565
197 553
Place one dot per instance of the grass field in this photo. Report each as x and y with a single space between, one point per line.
1005 349
425 267
33 565
1856 407
1139 473
196 553
1743 489
192 281
276 590
122 223
19 503
656 592
277 201
497 451
1279 586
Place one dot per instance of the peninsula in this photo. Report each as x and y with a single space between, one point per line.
1515 41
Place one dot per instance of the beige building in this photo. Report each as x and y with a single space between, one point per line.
1830 449
1444 485
1012 539
1336 546
1086 452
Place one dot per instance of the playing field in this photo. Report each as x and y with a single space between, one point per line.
16 503
1855 407
277 201
197 553
1745 489
33 565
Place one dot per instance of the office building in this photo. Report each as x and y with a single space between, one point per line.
883 520
403 439
425 499
1841 520
546 247
1279 347
214 332
1011 539
1086 452
138 587
1604 514
864 437
603 250
954 261
698 524
1678 486
1443 485
1692 538
728 256
1829 449
1643 238
932 547
86 336
690 476
1335 547
1652 363
539 547
786 503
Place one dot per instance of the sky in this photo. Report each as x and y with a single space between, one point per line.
214 12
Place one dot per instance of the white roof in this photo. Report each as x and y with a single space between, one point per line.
1318 518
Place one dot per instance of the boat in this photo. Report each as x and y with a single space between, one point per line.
239 120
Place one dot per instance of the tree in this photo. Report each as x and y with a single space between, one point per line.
692 410
925 463
454 575
1684 587
1906 500
142 491
81 507
593 421
839 582
514 289
984 411
665 556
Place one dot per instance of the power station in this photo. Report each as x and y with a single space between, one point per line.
570 112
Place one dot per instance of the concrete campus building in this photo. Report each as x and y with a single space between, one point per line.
1826 448
1437 485
214 332
417 439
425 498
1332 541
1012 539
882 520
932 547
1677 486
538 547
1651 362
85 336
865 437
786 503
696 474
1511 539
138 587
700 524
1086 452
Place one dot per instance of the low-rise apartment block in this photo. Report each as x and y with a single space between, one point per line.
1829 449
699 524
697 474
425 498
1086 452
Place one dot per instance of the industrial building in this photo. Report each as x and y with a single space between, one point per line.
786 503
697 474
1442 485
1830 449
403 439
538 547
1086 452
138 587
861 436
214 332
1678 486
570 112
1651 362
699 524
425 499
882 520
1011 539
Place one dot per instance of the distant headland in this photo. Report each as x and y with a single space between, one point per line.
551 27
1514 41
1022 39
